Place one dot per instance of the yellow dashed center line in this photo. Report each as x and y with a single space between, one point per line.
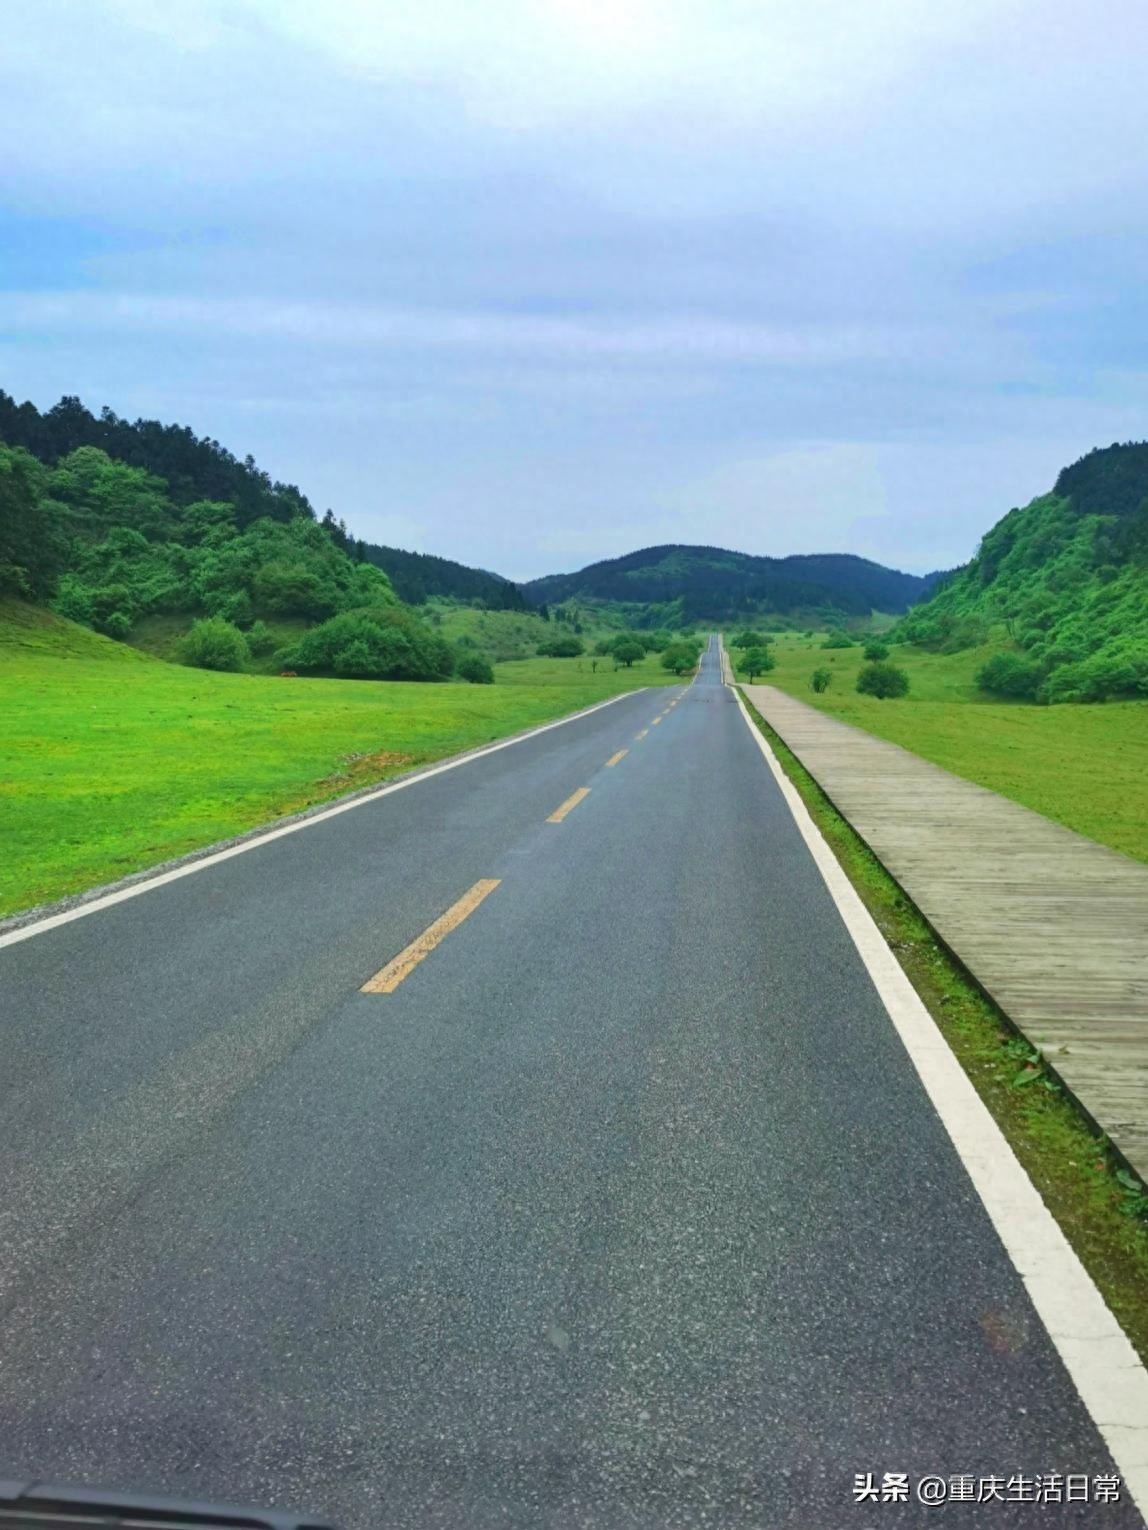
641 735
614 758
395 971
656 721
569 805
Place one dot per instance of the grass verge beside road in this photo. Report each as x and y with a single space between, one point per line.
1104 1216
111 762
1083 766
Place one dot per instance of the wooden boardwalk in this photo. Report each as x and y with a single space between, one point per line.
1052 925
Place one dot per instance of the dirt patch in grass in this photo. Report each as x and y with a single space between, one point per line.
355 771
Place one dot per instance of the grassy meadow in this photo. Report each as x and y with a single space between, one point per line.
1083 765
112 761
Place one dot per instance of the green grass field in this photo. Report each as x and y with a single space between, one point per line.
1084 766
111 761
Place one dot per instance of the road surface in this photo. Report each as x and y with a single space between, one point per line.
623 1207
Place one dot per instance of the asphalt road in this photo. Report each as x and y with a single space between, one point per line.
625 1208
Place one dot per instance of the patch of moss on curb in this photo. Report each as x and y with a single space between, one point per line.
1101 1208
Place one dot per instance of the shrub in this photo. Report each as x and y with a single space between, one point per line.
1101 678
117 624
377 643
476 669
837 639
883 681
214 644
259 639
562 648
758 661
820 680
1007 674
73 600
876 651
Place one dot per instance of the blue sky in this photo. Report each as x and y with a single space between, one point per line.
534 282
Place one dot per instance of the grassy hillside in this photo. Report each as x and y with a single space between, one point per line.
1067 579
676 585
112 761
1085 767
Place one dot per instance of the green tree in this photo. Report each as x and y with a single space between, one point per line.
628 652
883 681
875 651
757 661
820 680
747 638
837 639
679 657
32 545
214 644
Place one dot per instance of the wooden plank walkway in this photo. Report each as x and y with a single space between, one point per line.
1052 925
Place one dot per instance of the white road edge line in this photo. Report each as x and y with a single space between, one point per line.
1105 1369
161 879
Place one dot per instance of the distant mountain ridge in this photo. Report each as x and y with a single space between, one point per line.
717 584
418 577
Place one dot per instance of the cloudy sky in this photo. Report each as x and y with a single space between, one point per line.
533 282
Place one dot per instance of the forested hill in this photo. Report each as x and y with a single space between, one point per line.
418 577
1067 575
192 467
714 584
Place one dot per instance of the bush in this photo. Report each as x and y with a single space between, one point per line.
1101 678
838 639
73 600
820 680
883 681
378 643
758 661
876 651
259 639
474 667
214 644
562 648
1007 674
